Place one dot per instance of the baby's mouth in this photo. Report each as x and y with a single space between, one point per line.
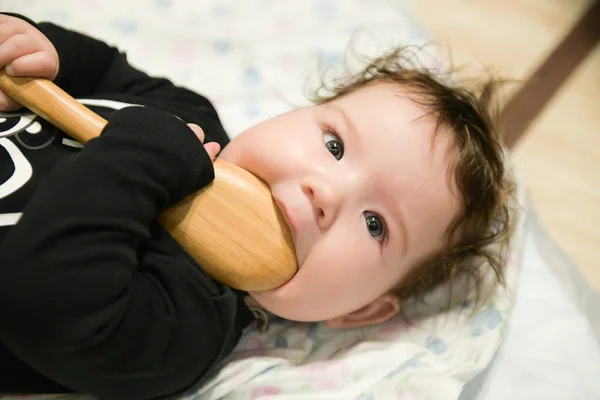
287 217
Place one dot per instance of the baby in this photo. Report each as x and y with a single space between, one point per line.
392 184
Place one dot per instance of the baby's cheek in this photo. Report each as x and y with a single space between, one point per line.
349 264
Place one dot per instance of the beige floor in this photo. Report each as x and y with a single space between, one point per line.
559 156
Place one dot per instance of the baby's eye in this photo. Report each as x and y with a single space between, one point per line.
334 144
376 226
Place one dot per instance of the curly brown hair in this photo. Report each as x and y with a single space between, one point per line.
480 176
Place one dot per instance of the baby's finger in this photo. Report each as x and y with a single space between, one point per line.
39 64
198 131
16 46
8 27
212 148
8 104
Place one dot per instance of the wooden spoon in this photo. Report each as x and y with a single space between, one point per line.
232 228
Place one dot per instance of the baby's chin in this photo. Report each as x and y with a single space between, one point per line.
271 302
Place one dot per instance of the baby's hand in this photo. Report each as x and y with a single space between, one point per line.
212 148
24 51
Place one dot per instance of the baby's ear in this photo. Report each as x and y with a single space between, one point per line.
376 312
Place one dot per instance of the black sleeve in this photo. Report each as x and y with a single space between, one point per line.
93 293
91 67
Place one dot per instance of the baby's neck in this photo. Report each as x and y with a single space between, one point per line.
260 314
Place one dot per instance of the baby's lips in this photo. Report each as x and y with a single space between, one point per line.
286 216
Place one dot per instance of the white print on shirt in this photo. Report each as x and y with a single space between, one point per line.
112 104
28 126
22 172
9 219
25 121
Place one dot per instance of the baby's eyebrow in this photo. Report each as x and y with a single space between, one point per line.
349 124
397 215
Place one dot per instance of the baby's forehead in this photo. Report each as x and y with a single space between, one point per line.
394 110
399 136
401 104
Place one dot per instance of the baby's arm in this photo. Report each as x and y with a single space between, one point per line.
93 293
91 67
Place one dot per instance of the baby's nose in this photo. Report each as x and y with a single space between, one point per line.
325 199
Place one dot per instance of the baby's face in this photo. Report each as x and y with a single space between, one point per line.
364 189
